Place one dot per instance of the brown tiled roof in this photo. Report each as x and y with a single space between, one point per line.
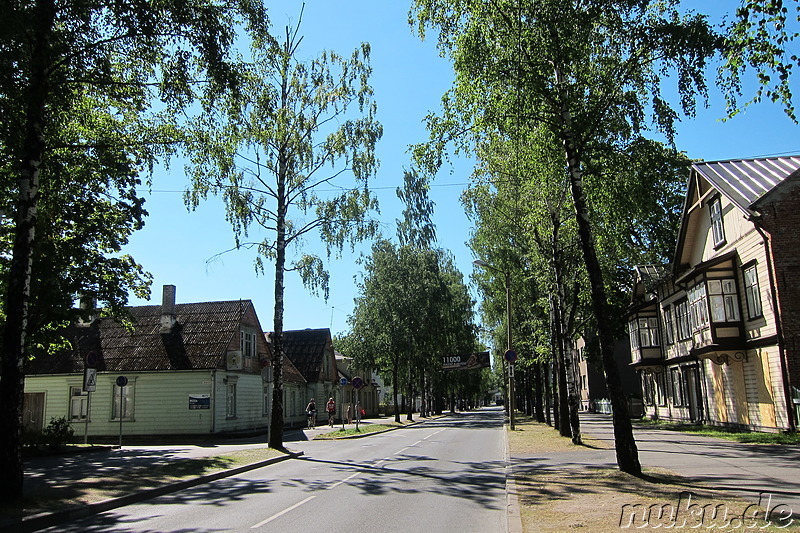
306 349
207 330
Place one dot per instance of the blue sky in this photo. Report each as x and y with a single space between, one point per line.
409 79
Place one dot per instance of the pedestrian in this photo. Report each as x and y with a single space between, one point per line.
331 408
311 413
349 414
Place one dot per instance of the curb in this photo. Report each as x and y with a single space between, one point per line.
415 423
45 520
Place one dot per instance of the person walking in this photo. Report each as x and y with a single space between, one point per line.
331 408
311 413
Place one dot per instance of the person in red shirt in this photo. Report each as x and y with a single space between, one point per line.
331 408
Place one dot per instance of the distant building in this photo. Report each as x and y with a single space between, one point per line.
188 369
716 334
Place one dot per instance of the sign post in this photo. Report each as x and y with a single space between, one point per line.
89 386
342 382
358 383
511 357
122 381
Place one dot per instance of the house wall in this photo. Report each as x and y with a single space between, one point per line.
781 219
160 403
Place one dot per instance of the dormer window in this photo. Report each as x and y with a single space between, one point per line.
717 228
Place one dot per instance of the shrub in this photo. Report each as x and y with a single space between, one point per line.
58 432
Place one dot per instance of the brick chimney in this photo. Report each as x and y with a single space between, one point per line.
168 318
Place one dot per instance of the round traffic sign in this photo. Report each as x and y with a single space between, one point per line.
511 356
358 383
343 382
122 381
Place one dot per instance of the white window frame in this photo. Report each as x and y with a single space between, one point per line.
752 292
669 325
723 300
698 307
125 395
678 397
717 225
230 399
682 320
247 343
80 398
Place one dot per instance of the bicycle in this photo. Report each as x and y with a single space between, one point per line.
312 422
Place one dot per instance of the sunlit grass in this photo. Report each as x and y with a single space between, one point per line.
749 437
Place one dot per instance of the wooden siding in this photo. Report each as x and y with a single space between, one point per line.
160 403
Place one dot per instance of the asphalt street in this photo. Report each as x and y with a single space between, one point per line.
445 475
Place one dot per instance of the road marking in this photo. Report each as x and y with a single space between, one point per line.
345 480
273 517
401 451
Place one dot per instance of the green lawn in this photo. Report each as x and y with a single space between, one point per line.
750 437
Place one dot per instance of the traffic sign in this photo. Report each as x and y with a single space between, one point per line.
343 382
91 359
358 383
122 381
511 356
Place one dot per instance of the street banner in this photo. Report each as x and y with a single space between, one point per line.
466 361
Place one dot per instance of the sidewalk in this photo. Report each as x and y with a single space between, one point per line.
748 470
108 464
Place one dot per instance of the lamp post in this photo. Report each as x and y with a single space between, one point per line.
510 355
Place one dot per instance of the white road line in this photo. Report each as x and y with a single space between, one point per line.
401 451
345 480
273 517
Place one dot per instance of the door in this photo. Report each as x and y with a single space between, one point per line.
692 383
33 412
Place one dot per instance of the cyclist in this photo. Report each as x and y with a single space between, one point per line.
311 413
331 408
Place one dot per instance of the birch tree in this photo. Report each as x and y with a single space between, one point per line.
296 130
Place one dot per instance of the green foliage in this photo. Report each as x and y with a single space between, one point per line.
760 38
57 433
412 309
273 149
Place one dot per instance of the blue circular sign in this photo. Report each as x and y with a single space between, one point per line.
343 382
511 356
122 381
358 383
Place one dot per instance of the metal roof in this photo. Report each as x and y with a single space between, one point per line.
745 181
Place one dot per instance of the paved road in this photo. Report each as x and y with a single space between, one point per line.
444 475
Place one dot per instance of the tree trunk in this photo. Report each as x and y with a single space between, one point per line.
538 397
394 391
12 385
276 431
625 444
547 396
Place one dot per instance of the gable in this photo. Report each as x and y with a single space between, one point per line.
739 185
307 349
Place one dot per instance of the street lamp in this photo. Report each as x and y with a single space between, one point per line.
507 275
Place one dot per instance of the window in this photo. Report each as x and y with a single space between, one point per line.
247 343
752 293
123 402
723 300
78 403
669 326
682 318
633 332
644 332
648 383
661 388
648 332
230 403
677 388
717 229
698 307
